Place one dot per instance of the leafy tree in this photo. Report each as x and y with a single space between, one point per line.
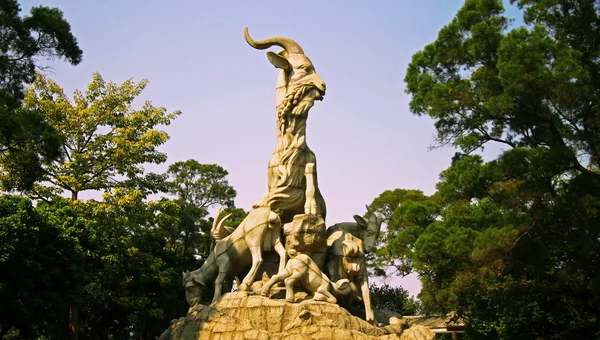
105 140
394 299
516 246
133 283
196 188
27 138
405 214
123 274
40 266
202 185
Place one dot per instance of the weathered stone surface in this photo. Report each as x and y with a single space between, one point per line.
417 332
243 316
307 234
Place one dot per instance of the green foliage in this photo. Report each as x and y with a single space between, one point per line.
394 299
201 185
103 136
133 282
115 263
104 257
40 267
405 214
27 138
527 87
511 244
196 188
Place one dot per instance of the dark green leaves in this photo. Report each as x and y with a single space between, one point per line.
27 139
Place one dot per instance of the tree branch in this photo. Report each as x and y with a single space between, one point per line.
487 135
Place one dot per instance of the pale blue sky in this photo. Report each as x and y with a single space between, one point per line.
194 54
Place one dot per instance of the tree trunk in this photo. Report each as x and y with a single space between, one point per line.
74 308
73 321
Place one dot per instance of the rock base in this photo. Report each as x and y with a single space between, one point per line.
241 316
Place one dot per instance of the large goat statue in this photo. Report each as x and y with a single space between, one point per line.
258 232
297 88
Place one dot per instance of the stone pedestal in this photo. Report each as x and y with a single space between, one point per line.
242 316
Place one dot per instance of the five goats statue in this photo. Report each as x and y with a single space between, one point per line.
292 190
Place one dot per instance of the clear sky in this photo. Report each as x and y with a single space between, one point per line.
194 54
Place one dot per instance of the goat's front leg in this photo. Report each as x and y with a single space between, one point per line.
256 262
366 297
274 279
218 286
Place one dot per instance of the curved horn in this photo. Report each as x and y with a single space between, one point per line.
216 220
223 220
369 209
288 44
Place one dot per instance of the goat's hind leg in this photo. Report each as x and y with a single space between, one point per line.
289 285
280 249
323 294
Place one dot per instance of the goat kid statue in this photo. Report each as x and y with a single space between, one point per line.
234 250
347 245
302 269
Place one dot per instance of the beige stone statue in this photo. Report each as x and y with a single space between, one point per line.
328 263
302 269
346 249
259 231
367 231
297 88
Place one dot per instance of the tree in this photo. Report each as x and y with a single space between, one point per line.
105 140
196 188
515 247
405 214
133 284
27 139
394 299
40 266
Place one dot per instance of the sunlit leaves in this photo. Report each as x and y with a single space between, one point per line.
106 140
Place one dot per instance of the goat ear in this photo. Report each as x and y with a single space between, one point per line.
361 221
279 61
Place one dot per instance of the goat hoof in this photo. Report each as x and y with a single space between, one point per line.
243 287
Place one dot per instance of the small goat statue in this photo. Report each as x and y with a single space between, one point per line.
347 245
302 269
367 231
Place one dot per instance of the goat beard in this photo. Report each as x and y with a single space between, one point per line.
303 106
298 101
